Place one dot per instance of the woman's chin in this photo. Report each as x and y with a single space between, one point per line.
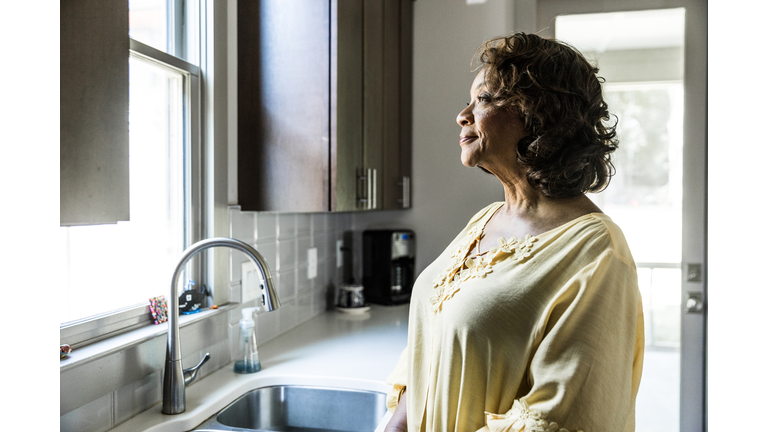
468 161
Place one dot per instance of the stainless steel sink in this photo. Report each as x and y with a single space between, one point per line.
301 409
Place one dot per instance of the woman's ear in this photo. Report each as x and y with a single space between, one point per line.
527 148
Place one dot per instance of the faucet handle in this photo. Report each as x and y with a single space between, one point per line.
191 373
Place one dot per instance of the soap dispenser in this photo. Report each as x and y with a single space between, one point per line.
247 359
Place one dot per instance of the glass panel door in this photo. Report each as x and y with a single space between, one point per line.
645 88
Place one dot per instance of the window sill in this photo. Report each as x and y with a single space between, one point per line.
84 355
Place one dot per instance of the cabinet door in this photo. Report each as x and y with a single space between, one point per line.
324 104
398 32
406 101
373 102
387 133
370 154
283 103
94 113
346 104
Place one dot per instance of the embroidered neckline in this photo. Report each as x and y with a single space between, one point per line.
463 267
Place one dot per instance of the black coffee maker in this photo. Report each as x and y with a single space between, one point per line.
388 258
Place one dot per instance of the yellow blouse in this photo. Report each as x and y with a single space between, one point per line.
540 334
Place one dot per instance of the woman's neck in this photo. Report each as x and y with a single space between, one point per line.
523 201
528 211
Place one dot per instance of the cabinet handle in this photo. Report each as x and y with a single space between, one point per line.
370 184
406 199
374 205
368 195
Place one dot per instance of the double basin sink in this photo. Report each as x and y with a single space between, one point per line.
294 408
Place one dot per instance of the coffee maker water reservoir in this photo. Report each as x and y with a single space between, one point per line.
388 266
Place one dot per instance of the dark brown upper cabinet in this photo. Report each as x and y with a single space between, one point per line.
93 148
324 104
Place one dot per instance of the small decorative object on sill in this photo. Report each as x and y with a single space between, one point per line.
214 307
64 350
191 299
159 309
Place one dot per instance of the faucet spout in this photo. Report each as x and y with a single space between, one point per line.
176 379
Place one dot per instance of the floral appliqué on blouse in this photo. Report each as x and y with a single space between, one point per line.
521 418
461 268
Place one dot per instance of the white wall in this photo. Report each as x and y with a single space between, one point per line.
738 155
445 194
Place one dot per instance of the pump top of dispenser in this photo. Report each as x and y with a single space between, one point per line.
247 322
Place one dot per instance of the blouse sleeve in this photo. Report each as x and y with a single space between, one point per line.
397 380
585 370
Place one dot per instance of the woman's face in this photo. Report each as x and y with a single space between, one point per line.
489 135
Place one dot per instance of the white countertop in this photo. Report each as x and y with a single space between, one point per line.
333 349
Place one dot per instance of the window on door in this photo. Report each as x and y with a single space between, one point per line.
643 87
647 192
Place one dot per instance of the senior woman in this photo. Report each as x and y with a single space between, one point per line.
531 319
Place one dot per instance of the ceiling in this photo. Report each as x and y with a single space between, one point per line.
611 31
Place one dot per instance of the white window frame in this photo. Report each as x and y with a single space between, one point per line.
95 328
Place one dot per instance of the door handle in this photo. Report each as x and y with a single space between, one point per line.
694 303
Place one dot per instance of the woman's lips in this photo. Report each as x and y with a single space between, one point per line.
466 138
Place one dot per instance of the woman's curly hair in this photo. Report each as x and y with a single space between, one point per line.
559 96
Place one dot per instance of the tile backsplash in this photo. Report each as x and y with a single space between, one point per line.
283 239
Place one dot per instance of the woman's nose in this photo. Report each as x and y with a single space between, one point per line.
465 116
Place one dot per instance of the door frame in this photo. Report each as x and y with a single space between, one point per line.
693 360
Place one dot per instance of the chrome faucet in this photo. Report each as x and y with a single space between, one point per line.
176 379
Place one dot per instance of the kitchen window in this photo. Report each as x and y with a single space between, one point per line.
110 271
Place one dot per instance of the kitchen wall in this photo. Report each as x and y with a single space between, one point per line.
284 240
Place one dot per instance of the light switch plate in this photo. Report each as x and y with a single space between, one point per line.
311 263
339 253
251 282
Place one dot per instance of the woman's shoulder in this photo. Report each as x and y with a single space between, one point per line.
606 236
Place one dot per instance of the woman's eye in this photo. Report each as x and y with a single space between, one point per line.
484 98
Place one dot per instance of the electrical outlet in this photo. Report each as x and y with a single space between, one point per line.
339 253
251 282
311 263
